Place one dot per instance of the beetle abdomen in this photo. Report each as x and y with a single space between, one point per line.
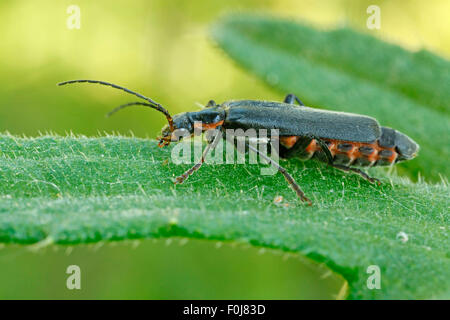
406 147
348 153
359 154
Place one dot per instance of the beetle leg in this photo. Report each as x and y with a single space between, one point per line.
291 98
211 103
356 170
210 146
324 148
286 175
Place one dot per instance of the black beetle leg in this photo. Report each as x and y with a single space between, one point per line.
290 98
324 148
210 146
358 171
286 175
211 103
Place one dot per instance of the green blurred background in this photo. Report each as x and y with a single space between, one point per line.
161 49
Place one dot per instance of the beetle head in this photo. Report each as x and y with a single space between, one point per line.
182 127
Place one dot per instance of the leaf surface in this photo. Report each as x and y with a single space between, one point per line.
71 190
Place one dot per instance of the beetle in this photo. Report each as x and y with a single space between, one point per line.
345 141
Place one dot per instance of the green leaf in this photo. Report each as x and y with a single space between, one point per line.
78 190
348 71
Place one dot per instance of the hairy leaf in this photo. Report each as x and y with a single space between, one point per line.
78 190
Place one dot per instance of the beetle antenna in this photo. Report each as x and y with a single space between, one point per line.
151 103
109 114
